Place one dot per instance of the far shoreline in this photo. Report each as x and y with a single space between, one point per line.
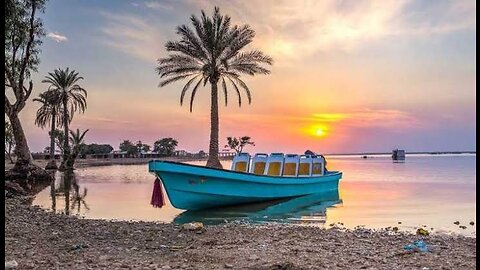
96 162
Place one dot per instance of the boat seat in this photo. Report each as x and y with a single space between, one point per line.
240 162
275 164
290 165
259 162
318 165
305 165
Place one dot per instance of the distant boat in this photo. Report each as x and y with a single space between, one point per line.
398 154
193 187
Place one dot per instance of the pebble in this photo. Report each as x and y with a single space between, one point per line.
253 258
456 222
193 226
422 231
11 264
472 223
103 257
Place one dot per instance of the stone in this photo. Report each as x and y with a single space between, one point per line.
472 223
456 222
103 257
11 264
422 231
253 258
193 226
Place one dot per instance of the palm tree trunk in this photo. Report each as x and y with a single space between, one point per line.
24 157
52 164
66 148
213 161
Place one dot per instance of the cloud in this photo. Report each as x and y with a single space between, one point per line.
157 5
394 120
290 30
57 37
132 35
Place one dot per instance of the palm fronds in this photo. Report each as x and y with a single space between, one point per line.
211 51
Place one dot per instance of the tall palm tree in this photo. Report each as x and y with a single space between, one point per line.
211 52
49 114
74 98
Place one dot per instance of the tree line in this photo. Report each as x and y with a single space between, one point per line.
164 147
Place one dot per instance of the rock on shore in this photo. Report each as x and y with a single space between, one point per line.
36 239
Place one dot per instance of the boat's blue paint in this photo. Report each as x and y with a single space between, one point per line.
194 187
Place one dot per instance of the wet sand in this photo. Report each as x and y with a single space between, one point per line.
36 239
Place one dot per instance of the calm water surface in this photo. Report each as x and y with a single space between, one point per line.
375 192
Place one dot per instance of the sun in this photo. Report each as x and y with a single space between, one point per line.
317 130
320 132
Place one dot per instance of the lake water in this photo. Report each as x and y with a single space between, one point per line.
430 191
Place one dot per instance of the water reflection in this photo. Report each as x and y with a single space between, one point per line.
66 185
375 192
304 209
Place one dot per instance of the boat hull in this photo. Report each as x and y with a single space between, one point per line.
193 187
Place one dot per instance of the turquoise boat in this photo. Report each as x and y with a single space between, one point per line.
193 187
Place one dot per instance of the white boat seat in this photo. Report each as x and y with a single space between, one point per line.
275 164
240 162
259 162
290 165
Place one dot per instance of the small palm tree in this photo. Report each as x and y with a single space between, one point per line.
49 114
212 53
76 139
73 97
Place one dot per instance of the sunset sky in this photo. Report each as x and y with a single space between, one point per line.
348 76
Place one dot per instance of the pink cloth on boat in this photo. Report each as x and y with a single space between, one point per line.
157 195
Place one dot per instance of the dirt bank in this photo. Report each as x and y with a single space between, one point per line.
36 239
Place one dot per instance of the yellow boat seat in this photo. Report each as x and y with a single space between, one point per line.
290 165
275 164
305 165
259 163
240 162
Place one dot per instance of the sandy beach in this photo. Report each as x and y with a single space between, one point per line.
36 239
